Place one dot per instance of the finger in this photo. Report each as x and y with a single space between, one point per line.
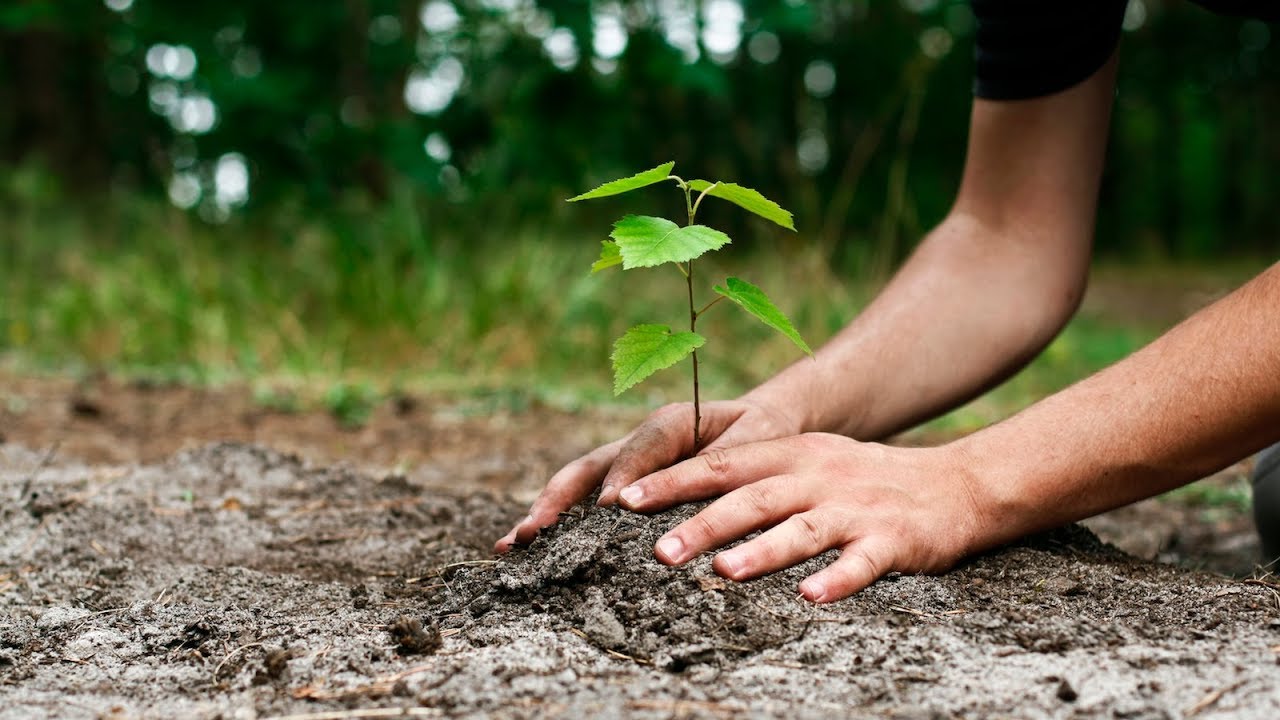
796 539
741 431
505 542
862 563
566 488
707 475
665 437
751 507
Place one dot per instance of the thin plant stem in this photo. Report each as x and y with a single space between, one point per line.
710 305
693 327
698 202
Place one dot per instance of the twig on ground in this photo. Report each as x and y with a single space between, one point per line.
108 611
381 686
1272 588
35 535
104 477
624 656
1211 699
360 714
923 614
465 563
909 611
420 578
41 464
680 708
231 654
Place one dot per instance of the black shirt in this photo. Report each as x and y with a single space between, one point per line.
1031 48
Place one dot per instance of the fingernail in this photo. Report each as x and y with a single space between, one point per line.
632 495
670 547
608 495
732 563
813 589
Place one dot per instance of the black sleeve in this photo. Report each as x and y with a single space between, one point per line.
1032 48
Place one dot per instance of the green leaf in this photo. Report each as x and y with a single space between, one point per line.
753 300
646 241
747 199
609 256
646 349
635 182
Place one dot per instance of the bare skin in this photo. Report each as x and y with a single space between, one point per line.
984 292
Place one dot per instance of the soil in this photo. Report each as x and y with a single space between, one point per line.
236 581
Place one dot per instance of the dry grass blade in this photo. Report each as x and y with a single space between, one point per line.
1211 699
923 614
624 656
466 563
359 714
681 708
232 654
380 687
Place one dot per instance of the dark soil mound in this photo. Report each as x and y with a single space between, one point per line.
595 573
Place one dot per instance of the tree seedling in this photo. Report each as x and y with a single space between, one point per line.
641 241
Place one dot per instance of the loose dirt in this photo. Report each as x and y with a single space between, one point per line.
235 581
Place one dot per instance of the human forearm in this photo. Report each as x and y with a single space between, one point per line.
986 290
971 307
1196 400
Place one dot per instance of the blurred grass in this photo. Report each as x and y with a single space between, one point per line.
363 304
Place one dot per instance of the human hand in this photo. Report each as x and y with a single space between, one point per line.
885 508
664 438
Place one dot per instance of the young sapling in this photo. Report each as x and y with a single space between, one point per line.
640 241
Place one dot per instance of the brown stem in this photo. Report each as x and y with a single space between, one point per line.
693 327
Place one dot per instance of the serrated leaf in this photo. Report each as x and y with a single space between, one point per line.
747 199
753 300
635 182
646 349
609 256
646 241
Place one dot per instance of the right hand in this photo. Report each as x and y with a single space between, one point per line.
663 439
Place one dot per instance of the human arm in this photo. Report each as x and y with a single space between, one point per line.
1200 397
986 290
981 295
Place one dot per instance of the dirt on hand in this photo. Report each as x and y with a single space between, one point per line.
236 582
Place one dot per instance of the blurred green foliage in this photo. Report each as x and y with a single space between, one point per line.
360 192
161 295
850 112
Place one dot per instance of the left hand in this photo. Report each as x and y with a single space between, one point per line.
910 510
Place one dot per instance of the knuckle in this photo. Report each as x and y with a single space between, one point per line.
757 499
717 461
587 464
866 567
766 552
701 528
811 533
663 481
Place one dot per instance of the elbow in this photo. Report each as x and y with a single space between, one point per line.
1051 295
1036 273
